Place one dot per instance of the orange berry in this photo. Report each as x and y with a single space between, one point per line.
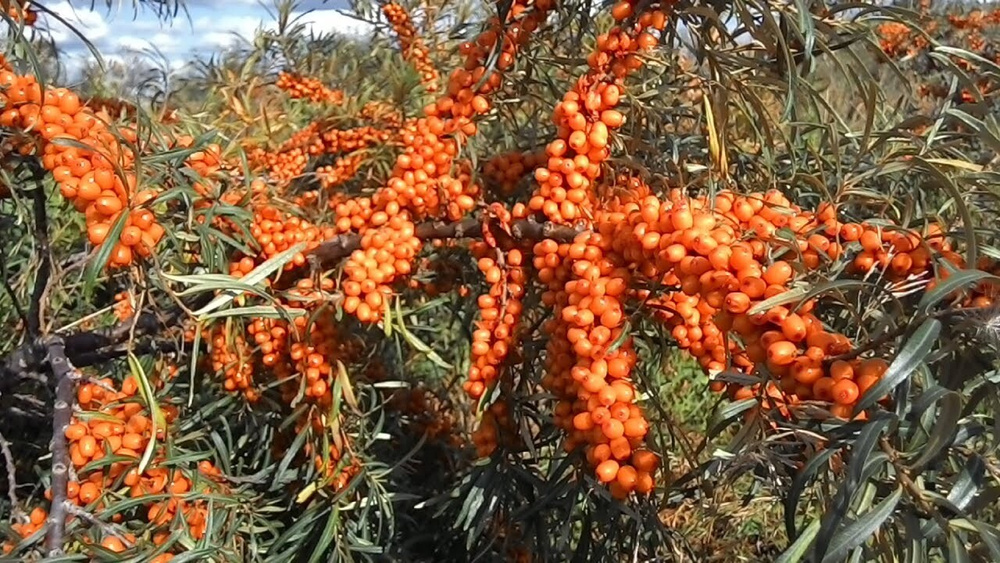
781 353
845 392
607 470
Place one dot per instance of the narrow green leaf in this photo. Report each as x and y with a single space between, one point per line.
156 415
861 458
193 365
956 549
417 343
800 547
945 426
917 348
328 533
622 337
97 265
968 483
799 484
790 296
803 293
257 311
727 412
858 532
345 385
257 275
990 537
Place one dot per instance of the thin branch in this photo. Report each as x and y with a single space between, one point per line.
44 272
11 475
336 249
62 371
106 528
88 348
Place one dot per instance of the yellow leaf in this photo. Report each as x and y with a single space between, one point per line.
345 385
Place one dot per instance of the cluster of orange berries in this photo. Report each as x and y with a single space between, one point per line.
36 522
206 162
124 307
232 359
381 112
301 352
716 253
317 347
413 47
898 39
430 415
291 159
896 252
589 359
984 294
112 422
977 20
86 177
499 315
586 116
726 255
425 181
506 170
342 170
495 429
304 87
384 254
275 231
336 468
349 140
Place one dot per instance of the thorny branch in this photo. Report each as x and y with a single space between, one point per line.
63 372
340 247
106 528
88 348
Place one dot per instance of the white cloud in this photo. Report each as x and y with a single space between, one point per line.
208 27
88 23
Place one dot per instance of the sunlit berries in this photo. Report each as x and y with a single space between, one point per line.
413 47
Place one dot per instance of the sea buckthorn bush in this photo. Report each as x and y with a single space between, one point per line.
535 280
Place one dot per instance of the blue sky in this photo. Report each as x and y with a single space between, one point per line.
209 26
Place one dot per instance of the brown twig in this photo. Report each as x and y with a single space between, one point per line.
11 475
90 347
340 247
62 371
106 528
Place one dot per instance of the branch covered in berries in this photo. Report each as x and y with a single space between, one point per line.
91 347
336 249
